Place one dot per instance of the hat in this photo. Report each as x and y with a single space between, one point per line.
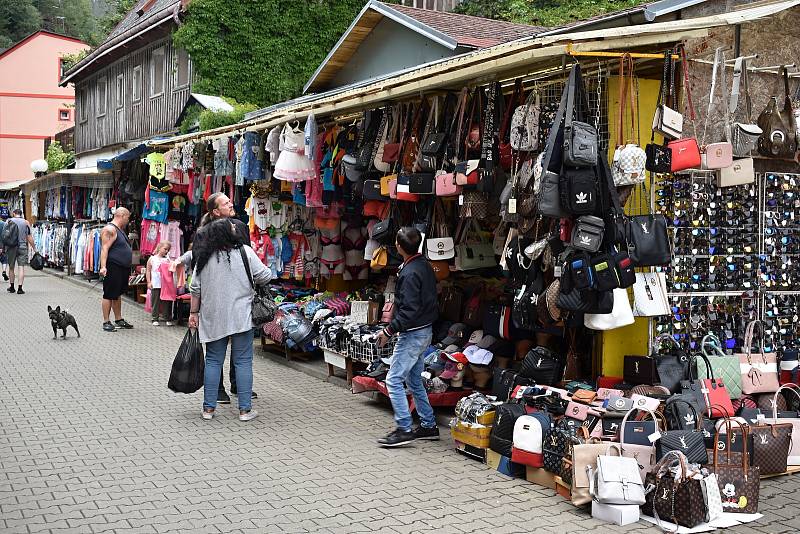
450 349
487 341
478 356
456 357
451 370
475 338
457 334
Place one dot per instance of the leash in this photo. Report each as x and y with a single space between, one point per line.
92 287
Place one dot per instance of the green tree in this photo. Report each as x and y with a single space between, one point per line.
68 17
549 13
57 158
117 9
261 52
18 18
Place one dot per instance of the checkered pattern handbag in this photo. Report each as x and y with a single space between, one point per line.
628 165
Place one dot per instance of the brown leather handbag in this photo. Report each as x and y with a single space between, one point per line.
779 137
771 444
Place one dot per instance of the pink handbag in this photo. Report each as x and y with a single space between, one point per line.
446 185
759 369
717 156
577 411
607 393
393 188
387 312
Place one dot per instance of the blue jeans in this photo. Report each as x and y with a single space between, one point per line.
407 366
242 358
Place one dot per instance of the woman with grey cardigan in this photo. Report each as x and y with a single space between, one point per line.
222 301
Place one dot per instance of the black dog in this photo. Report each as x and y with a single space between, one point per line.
60 321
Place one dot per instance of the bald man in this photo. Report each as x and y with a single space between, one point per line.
116 257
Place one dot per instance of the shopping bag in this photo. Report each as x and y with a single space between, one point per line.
36 262
148 303
188 368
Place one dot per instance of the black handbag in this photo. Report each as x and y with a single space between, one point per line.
672 365
505 380
638 370
422 183
578 190
692 389
383 231
543 366
689 442
372 190
264 306
680 413
658 158
586 301
648 243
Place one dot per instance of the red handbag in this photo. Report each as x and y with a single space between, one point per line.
685 154
717 399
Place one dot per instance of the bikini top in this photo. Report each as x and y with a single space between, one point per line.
325 240
359 243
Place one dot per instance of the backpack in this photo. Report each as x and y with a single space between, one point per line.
11 235
525 125
529 431
501 439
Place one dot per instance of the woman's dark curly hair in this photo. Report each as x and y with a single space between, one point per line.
217 236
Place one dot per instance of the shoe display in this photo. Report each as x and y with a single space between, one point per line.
430 434
396 438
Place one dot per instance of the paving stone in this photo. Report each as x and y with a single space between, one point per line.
93 441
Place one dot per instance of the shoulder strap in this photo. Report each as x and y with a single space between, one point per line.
246 263
553 135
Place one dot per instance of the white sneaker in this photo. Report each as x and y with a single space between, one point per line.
169 323
248 416
208 416
155 323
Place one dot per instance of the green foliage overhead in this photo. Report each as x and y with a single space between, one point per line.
549 13
18 18
70 60
261 52
57 159
197 118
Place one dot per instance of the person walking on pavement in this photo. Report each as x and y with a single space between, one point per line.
153 276
222 308
415 311
219 206
3 260
116 257
18 241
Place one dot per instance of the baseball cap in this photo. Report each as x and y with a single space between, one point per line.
456 335
456 357
451 369
487 341
450 349
475 338
478 356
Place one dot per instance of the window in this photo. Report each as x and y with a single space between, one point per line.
137 83
120 91
181 68
61 68
102 96
157 73
63 114
84 103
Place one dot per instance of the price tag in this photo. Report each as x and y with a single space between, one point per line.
512 205
460 200
557 271
421 244
655 436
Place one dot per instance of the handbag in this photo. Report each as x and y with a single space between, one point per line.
439 246
421 183
385 191
616 479
739 172
794 451
677 499
584 460
639 432
666 120
717 400
672 364
727 367
450 303
684 154
648 243
712 497
658 158
476 255
475 205
446 185
587 234
620 316
580 138
779 139
771 446
716 155
759 371
548 201
263 304
404 189
629 159
524 132
650 295
743 135
689 441
543 366
738 482
639 370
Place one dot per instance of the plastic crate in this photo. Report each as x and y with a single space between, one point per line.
368 351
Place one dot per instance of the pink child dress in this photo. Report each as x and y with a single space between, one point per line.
292 164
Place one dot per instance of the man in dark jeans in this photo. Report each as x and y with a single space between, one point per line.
415 310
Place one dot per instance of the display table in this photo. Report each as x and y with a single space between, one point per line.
448 399
337 360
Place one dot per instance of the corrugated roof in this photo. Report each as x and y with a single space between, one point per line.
470 31
132 25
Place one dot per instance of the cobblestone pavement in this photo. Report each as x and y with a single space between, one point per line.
91 440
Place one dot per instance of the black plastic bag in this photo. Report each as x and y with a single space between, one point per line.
188 369
36 262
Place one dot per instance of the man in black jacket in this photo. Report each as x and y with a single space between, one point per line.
415 310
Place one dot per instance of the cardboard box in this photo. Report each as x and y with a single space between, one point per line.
477 436
503 464
620 514
562 489
365 311
540 476
475 453
486 419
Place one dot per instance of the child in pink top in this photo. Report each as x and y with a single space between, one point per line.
154 280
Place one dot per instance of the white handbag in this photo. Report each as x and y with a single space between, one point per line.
616 479
712 497
740 172
621 315
650 295
442 247
628 165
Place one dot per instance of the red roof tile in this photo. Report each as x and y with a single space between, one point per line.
467 30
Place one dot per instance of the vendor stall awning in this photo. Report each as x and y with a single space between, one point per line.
87 171
134 153
16 184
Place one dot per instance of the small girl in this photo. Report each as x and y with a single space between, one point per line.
154 280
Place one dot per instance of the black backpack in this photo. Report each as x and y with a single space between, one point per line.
10 235
501 440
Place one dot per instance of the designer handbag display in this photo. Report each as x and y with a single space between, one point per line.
666 120
771 446
676 499
759 370
690 442
743 135
794 420
726 366
738 482
616 479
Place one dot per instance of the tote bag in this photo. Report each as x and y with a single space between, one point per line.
725 366
794 451
620 316
759 371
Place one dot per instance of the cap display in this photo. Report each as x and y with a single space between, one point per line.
456 357
451 370
457 334
475 338
478 356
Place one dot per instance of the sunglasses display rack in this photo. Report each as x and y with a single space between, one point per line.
736 253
